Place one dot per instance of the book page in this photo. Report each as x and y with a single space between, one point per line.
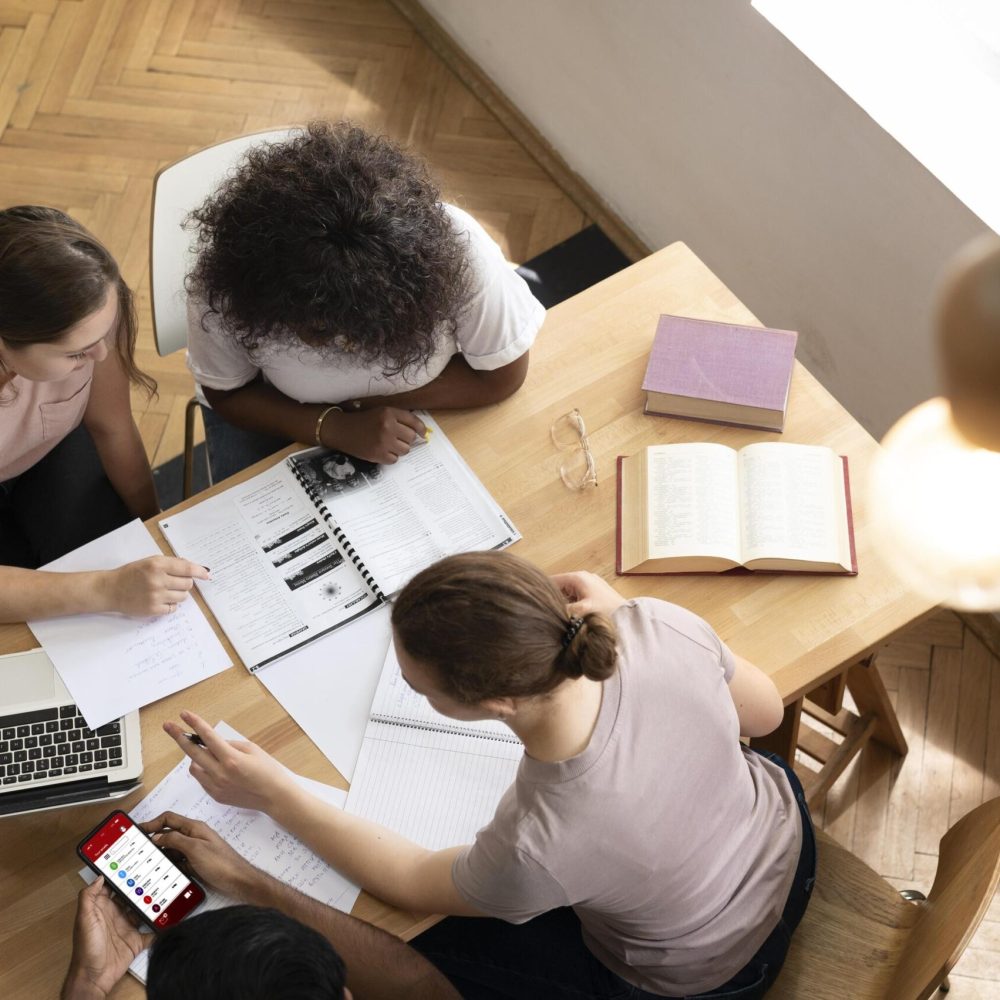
401 518
693 501
113 664
279 578
253 835
793 505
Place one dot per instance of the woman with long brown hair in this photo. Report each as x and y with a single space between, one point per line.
641 852
72 463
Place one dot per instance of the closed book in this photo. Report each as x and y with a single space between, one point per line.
723 372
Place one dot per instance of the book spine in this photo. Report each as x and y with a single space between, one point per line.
339 535
435 727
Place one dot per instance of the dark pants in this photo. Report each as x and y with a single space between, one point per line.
59 504
546 958
231 449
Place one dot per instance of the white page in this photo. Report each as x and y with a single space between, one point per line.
790 496
694 501
433 781
328 685
113 664
278 577
253 835
402 517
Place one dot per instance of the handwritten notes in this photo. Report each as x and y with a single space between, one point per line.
113 664
251 834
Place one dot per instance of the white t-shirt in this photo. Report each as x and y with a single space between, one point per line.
497 326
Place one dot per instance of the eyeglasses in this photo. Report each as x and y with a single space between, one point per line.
569 433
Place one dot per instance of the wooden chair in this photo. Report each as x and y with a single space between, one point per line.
861 939
177 189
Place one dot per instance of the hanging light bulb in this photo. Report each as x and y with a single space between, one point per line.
935 487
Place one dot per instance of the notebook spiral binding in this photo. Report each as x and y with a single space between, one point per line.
433 727
339 535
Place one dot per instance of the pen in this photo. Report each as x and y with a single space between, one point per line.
194 738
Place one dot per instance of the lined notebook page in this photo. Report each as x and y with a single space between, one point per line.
430 778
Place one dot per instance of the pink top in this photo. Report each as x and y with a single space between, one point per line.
36 416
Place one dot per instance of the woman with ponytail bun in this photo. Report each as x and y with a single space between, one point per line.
641 852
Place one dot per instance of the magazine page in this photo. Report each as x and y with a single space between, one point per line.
401 518
279 578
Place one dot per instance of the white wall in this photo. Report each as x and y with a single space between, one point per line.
696 120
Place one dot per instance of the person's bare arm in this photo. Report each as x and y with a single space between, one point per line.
109 420
376 428
152 586
459 386
757 701
379 966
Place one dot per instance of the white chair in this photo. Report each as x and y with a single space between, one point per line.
177 189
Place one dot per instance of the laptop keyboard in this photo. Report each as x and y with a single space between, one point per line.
51 742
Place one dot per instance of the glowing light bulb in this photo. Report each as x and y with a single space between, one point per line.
935 505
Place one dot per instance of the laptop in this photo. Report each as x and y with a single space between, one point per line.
49 757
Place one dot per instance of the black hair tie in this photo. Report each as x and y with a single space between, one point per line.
572 627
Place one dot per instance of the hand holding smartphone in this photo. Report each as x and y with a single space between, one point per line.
139 872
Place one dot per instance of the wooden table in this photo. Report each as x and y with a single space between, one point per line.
591 354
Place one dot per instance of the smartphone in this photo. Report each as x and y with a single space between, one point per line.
139 872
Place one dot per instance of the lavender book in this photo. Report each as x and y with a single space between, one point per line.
701 370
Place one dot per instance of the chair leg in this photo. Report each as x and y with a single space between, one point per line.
189 415
916 896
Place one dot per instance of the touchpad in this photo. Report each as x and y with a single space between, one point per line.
27 677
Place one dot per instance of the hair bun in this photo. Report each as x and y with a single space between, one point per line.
589 648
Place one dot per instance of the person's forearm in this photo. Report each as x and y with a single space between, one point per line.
125 464
28 594
79 987
374 857
458 387
378 964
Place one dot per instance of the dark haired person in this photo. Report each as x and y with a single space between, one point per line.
641 851
334 292
72 463
280 943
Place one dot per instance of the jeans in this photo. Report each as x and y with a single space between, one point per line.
546 958
231 449
63 501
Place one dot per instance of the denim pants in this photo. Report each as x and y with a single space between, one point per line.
231 449
63 501
546 958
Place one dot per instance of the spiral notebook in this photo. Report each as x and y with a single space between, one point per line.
322 538
430 778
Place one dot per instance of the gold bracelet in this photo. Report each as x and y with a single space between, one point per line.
322 417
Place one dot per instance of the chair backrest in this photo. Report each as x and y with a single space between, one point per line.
177 189
967 877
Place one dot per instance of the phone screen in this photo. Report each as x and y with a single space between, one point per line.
140 871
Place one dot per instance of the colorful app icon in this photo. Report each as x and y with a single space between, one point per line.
122 873
139 891
131 882
147 899
114 864
156 907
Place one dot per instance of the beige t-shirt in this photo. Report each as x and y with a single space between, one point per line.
36 416
497 326
675 846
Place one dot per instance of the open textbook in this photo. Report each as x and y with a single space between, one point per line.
323 538
253 835
430 778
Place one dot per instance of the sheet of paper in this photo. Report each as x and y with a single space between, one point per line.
327 686
113 664
251 834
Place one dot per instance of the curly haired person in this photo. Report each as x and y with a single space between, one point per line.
334 292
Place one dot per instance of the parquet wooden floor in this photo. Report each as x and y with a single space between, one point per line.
891 811
97 95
